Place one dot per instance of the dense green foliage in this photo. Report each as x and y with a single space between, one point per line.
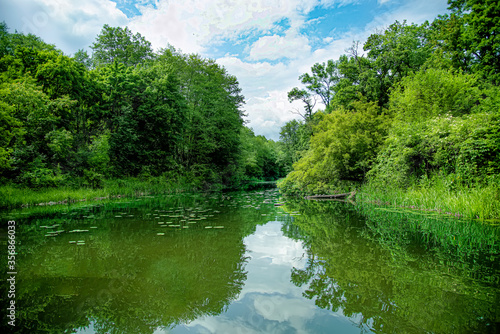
397 271
436 124
124 112
343 148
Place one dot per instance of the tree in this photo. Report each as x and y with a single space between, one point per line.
12 133
118 44
34 161
399 51
320 84
210 147
294 139
343 148
151 127
357 77
308 100
60 75
324 77
433 92
5 47
9 42
83 58
471 34
443 124
260 156
117 83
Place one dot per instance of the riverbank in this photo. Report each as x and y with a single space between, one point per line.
473 202
480 202
16 197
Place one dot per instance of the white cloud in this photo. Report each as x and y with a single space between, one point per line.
413 11
268 242
193 25
268 108
266 115
265 88
281 309
274 47
70 25
257 79
208 325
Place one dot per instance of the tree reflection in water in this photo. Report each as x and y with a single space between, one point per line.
392 285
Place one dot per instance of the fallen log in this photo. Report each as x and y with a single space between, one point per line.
345 195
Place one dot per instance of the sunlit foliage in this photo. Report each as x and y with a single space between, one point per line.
437 84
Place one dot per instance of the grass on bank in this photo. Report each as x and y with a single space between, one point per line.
438 193
471 202
12 196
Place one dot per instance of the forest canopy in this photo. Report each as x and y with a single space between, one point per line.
125 111
419 107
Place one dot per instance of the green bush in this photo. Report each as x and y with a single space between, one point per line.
343 148
93 179
444 125
39 176
466 148
433 92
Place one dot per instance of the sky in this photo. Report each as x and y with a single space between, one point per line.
266 44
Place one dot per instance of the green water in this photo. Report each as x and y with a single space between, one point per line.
236 263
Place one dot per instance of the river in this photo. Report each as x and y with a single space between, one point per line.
238 263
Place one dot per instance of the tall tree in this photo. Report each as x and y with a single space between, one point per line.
151 127
83 57
398 51
309 102
324 77
212 137
357 78
318 85
294 139
121 45
477 37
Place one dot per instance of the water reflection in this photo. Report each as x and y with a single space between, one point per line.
235 263
109 269
392 287
269 302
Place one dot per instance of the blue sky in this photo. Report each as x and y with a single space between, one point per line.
266 44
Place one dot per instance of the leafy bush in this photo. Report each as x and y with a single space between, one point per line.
343 148
465 149
39 176
443 125
433 92
93 179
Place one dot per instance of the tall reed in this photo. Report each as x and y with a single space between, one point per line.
472 202
14 197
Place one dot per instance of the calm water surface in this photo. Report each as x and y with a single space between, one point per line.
236 263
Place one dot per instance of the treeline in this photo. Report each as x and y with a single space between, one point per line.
125 111
419 108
